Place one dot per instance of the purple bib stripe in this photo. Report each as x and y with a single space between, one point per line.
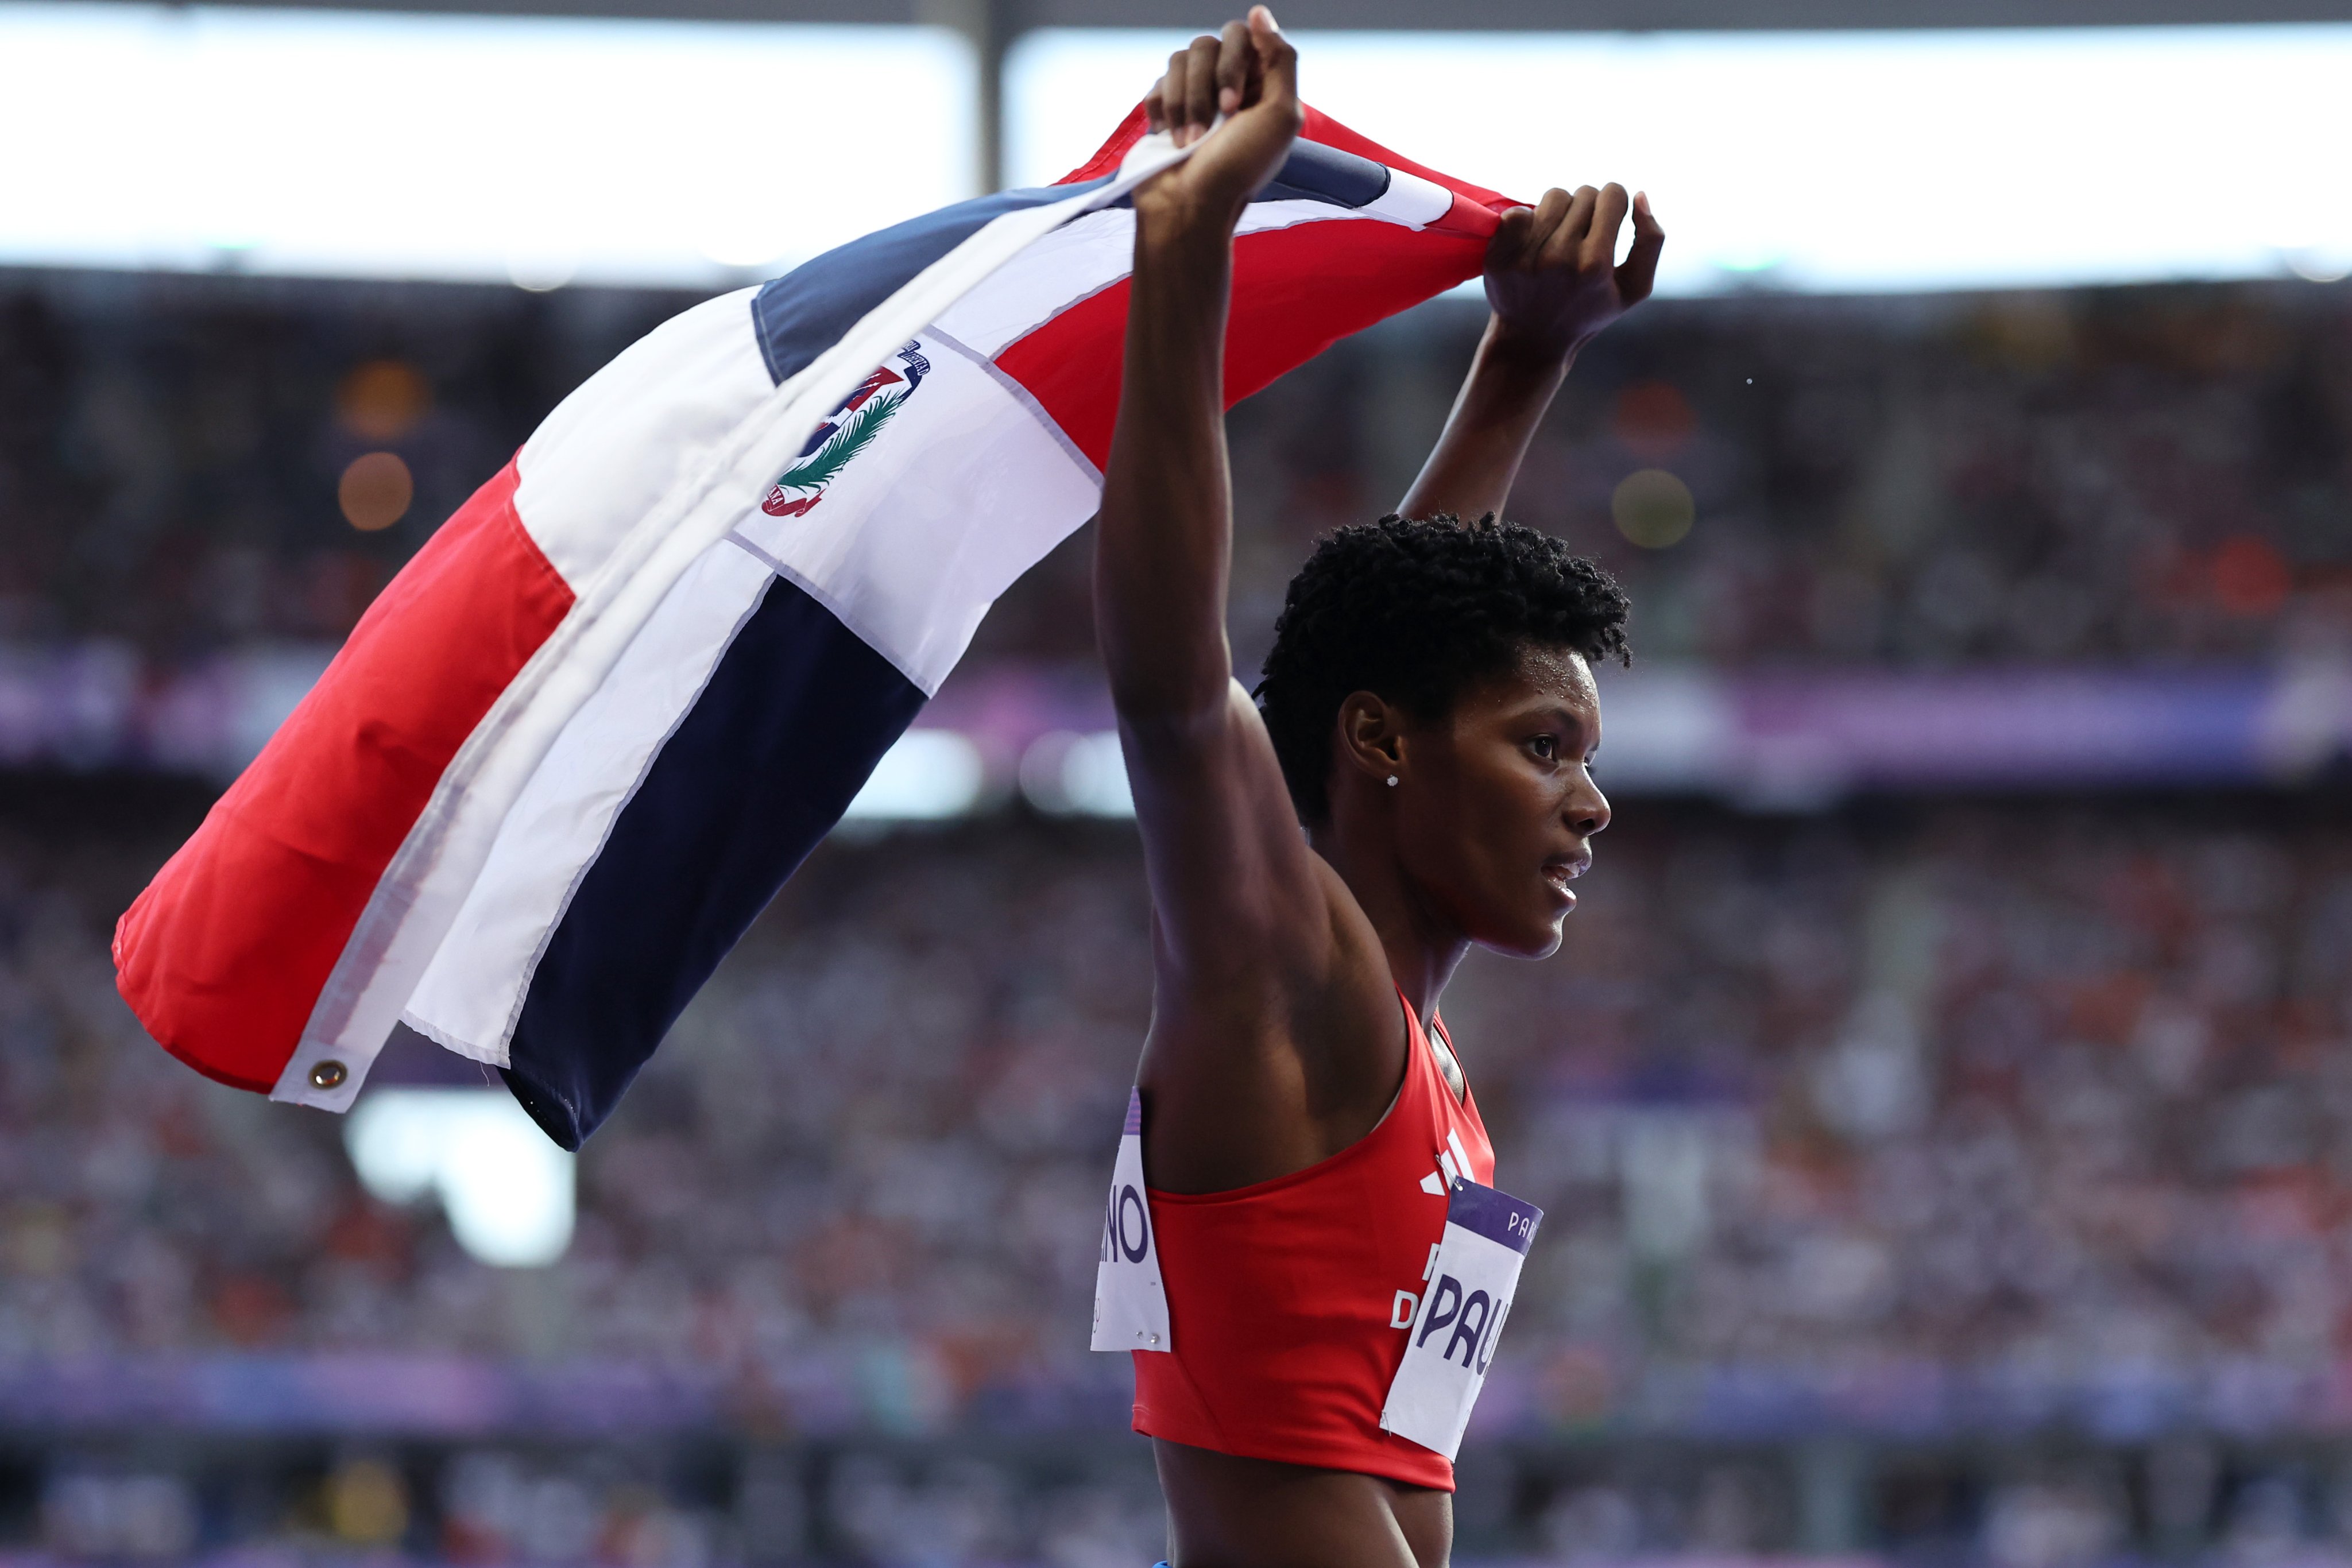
1498 1216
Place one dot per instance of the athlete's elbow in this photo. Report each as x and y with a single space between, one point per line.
1164 685
1173 706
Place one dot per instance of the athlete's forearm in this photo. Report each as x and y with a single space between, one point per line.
1553 285
1165 534
1510 386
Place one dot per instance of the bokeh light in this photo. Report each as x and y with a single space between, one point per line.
375 491
367 1502
1653 509
382 399
508 1194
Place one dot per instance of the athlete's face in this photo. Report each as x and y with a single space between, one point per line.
1497 809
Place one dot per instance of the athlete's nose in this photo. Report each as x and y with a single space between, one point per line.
1588 808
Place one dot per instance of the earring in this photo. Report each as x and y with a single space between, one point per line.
1392 780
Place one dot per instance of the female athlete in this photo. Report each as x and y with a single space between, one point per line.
1429 717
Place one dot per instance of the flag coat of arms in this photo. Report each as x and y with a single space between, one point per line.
579 742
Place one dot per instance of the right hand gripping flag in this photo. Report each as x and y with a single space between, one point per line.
579 741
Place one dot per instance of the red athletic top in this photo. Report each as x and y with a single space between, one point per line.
1289 1302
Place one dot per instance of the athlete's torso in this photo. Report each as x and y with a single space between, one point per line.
1253 1513
1290 1302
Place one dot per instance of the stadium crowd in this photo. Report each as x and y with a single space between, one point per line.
2127 473
1880 1107
1914 1117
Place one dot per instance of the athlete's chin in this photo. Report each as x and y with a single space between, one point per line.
1538 938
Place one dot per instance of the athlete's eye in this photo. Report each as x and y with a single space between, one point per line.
1546 746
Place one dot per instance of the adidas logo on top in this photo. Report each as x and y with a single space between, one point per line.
1452 1165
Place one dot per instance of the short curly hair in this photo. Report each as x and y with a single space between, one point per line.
1416 611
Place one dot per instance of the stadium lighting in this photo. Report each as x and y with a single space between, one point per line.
507 1190
929 775
535 151
1844 162
1066 774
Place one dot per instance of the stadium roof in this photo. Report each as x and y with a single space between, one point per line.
1005 18
165 129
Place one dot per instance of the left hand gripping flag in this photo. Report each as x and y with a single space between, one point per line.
579 741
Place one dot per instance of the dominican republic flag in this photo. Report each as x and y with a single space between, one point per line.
580 740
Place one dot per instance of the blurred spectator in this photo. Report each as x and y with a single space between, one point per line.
2042 1093
187 463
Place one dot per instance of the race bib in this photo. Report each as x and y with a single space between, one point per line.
1130 1306
1451 1342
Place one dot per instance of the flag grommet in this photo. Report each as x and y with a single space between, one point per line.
329 1074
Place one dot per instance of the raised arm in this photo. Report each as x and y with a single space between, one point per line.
1230 876
1553 283
1165 536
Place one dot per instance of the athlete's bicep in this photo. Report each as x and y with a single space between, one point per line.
1233 883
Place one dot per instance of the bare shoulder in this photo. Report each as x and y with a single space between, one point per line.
1271 1066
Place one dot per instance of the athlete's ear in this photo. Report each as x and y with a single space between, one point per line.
1370 736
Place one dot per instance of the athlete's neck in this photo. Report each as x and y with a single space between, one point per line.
1423 948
